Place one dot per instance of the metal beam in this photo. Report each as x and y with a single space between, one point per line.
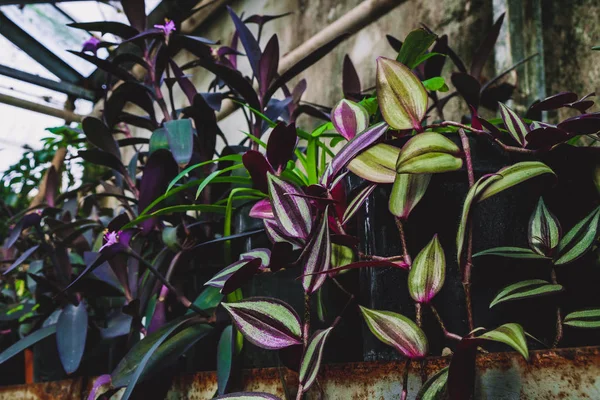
62 87
38 51
68 116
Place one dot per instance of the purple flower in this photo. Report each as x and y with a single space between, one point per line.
167 28
110 238
91 45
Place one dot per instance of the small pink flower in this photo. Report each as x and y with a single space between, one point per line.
91 45
167 28
110 238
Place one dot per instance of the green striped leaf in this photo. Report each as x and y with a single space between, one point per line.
544 230
401 95
233 157
513 175
292 213
510 334
427 273
158 140
510 252
180 135
514 124
357 202
268 323
316 257
397 331
524 290
376 164
429 152
435 387
579 239
407 191
341 255
311 360
584 319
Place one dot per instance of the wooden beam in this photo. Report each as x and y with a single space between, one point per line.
68 116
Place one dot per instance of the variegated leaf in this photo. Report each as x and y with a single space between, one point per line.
357 202
401 95
263 254
524 290
427 272
407 191
544 230
514 124
349 118
292 213
435 387
376 164
316 257
510 334
584 319
341 255
351 149
429 152
221 277
510 252
579 239
513 175
262 210
311 360
266 322
397 331
276 235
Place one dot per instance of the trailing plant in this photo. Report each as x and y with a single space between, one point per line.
145 227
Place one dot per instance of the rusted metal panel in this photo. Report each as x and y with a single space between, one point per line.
553 374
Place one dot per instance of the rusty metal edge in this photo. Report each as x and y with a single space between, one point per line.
572 373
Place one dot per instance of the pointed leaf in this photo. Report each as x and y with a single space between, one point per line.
249 42
100 136
485 48
436 83
414 46
116 28
544 230
24 256
248 396
524 290
135 10
350 80
517 128
584 319
262 209
510 334
435 387
71 334
397 331
407 191
357 202
269 62
266 322
579 239
311 359
401 95
99 157
461 372
349 118
427 272
180 135
429 152
316 256
510 252
258 167
225 354
281 145
27 341
292 213
513 175
376 164
221 277
468 87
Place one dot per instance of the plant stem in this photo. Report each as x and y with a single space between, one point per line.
447 334
370 257
469 257
404 394
559 323
403 241
305 333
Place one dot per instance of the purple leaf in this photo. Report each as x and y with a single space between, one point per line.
262 210
349 118
160 169
485 48
468 87
276 235
553 102
514 124
350 80
357 202
220 279
258 167
186 85
261 20
351 149
159 317
28 221
242 275
461 373
102 380
116 28
135 10
545 137
316 257
281 145
292 213
128 92
435 64
311 359
395 43
586 124
249 42
99 157
24 256
106 65
304 63
180 135
266 322
475 120
71 334
280 256
269 62
118 324
52 182
100 136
